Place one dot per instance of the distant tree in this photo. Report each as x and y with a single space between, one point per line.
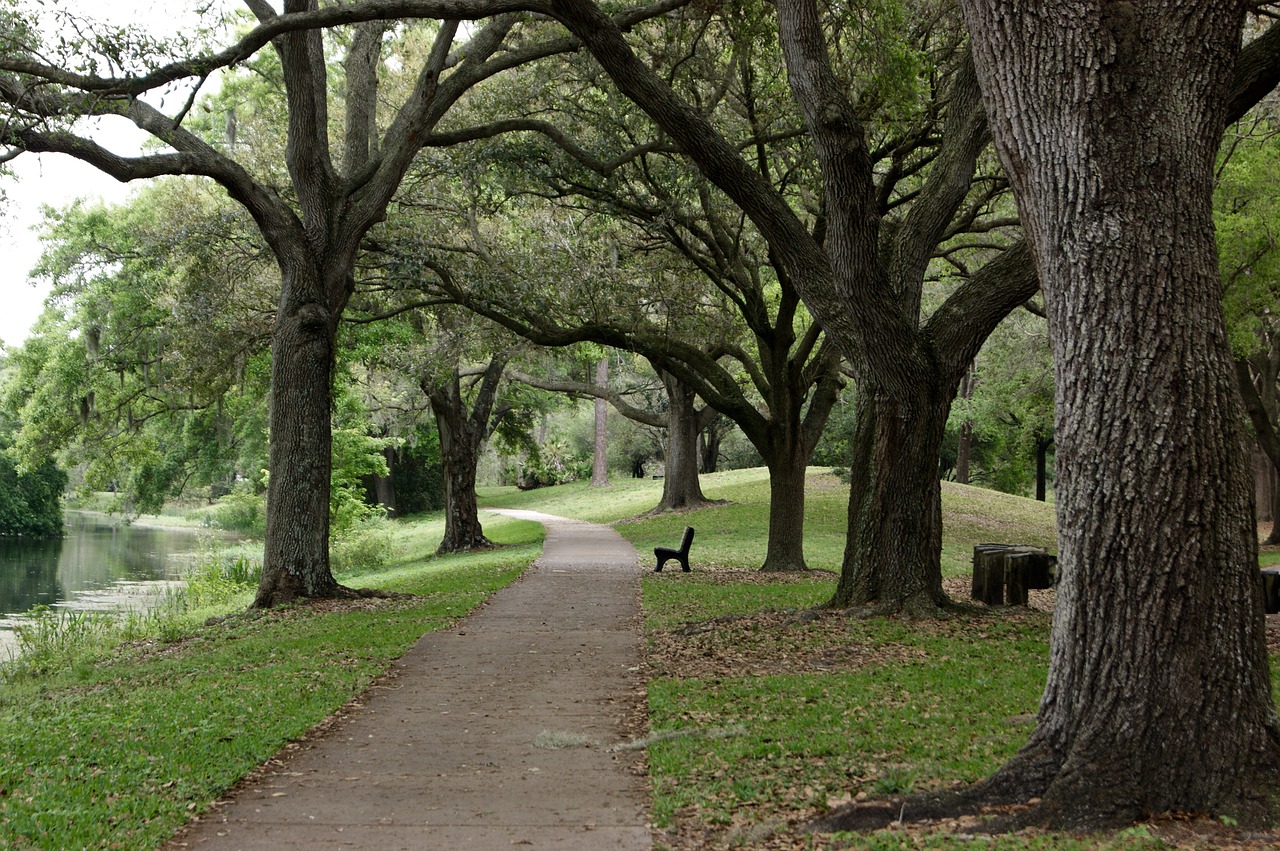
1247 222
695 290
600 430
1009 409
145 368
30 500
342 176
893 193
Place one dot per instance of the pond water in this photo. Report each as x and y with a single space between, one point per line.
100 565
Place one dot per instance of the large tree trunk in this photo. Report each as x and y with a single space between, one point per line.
786 463
461 433
681 488
599 459
1107 117
296 554
459 458
893 555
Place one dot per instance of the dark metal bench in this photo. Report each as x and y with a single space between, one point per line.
665 554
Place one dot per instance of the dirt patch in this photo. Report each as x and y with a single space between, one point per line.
765 644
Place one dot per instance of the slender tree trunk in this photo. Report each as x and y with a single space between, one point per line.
599 460
1042 462
893 555
964 451
964 440
709 448
680 485
1273 496
296 554
1107 117
384 487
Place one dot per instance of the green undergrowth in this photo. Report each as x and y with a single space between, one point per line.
117 748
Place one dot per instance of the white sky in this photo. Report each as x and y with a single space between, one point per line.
56 179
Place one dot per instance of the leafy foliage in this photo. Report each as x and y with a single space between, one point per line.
30 502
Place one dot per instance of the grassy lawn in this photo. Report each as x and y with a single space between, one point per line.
119 747
764 713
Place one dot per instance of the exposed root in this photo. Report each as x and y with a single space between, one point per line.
915 607
1035 790
877 814
476 545
686 508
374 593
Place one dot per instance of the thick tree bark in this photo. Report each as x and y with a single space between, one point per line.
785 551
893 556
681 488
600 446
459 457
296 552
1108 118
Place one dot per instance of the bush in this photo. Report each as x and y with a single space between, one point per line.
553 464
219 579
30 503
363 548
241 511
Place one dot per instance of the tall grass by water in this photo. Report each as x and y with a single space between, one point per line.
115 739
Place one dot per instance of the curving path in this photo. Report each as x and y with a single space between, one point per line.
442 755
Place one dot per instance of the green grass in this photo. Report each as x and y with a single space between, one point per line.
940 714
736 535
839 707
119 749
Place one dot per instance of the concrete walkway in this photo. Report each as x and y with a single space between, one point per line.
475 740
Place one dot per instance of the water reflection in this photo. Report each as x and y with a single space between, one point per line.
100 564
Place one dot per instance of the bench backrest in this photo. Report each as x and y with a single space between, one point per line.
687 539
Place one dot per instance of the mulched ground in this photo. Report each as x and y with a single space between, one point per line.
811 642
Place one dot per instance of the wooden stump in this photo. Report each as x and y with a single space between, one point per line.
1004 573
1271 590
988 574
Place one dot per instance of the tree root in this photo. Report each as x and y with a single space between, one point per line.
688 507
918 607
469 547
1034 790
373 593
